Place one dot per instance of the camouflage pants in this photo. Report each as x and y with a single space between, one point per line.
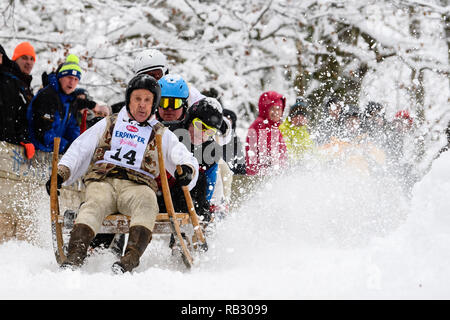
114 195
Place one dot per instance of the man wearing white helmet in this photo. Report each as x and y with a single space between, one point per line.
154 63
151 62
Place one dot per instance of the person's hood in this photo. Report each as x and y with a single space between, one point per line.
8 64
6 61
268 99
53 81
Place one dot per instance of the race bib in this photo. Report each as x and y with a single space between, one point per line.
128 144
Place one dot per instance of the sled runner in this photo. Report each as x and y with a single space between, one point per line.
185 228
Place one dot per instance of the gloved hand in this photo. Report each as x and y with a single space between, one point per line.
29 149
184 178
44 78
223 127
59 181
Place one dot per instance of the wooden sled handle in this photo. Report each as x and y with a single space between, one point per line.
168 200
54 203
191 208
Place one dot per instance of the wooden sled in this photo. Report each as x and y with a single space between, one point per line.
184 227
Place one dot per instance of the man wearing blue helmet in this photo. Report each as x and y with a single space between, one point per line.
171 112
174 98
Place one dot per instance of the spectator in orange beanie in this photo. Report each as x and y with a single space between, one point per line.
15 95
25 57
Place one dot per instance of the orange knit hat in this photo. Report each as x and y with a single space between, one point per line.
22 49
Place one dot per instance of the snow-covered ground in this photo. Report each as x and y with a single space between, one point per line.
307 235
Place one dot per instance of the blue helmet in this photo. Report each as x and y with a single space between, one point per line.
173 85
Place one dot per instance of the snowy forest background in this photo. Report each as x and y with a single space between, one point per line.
394 52
306 234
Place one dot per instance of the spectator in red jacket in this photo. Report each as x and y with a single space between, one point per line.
265 147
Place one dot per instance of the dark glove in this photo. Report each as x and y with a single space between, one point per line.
185 177
29 149
223 127
59 181
44 78
80 104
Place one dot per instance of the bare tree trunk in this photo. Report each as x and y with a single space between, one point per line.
300 81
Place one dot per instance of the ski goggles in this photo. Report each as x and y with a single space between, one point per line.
173 103
156 73
200 125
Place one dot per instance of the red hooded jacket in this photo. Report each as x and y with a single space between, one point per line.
265 148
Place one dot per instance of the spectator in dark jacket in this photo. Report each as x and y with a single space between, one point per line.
89 111
331 123
15 95
234 152
52 112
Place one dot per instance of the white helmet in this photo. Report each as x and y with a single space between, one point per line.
148 60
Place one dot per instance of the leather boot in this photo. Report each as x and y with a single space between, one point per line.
138 240
80 238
